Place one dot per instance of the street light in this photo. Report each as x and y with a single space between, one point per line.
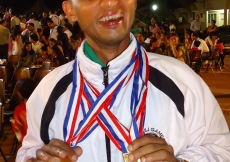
154 7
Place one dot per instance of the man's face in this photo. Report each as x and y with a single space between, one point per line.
140 38
153 20
30 27
109 21
44 15
50 25
197 18
23 20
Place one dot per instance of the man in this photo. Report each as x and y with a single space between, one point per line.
150 107
4 35
205 53
67 31
54 18
36 44
195 25
53 29
29 31
44 19
141 40
14 20
203 46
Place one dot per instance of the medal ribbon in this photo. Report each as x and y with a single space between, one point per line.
99 105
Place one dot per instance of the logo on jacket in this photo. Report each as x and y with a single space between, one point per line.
154 131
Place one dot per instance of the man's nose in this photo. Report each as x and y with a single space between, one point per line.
109 3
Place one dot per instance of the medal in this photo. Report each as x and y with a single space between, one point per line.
126 158
95 106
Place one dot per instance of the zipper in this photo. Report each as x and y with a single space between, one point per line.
106 83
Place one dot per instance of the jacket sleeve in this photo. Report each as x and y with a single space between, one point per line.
210 140
34 109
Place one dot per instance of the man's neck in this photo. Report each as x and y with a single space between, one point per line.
107 52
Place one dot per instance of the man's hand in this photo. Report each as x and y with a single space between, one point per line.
150 148
55 151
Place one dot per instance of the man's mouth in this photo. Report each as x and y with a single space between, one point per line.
111 18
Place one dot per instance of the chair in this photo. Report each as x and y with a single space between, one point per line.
2 91
13 60
46 65
195 61
213 59
3 74
20 73
40 73
2 129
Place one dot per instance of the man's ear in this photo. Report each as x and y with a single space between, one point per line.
69 11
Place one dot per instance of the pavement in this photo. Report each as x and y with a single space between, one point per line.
219 85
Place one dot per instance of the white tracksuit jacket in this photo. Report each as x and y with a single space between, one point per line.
180 108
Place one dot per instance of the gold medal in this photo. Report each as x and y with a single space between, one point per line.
126 158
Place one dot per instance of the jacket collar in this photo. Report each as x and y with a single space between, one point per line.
92 71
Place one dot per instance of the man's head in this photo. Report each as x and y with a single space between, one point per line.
195 36
140 38
109 22
50 24
153 21
44 15
33 38
154 43
197 17
30 26
3 22
23 20
196 43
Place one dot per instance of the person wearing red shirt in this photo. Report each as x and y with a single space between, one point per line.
19 123
220 46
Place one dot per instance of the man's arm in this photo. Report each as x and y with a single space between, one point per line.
192 26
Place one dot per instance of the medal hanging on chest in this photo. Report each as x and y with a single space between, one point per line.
99 105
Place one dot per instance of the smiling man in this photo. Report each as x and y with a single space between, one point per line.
117 103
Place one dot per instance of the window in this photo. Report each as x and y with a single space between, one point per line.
211 17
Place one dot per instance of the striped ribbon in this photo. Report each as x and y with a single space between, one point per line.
95 106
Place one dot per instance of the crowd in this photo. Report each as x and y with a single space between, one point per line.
38 38
162 38
53 38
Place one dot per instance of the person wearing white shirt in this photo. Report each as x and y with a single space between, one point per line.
211 41
36 44
14 20
53 29
195 25
54 18
34 20
203 46
67 31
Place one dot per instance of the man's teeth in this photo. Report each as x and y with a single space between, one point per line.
109 18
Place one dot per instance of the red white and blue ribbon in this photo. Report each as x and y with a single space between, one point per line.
95 106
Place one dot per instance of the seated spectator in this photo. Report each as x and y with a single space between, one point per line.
150 36
211 42
176 49
27 57
53 42
155 46
164 41
58 57
36 44
196 45
44 56
203 46
158 29
141 40
19 123
44 40
187 40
